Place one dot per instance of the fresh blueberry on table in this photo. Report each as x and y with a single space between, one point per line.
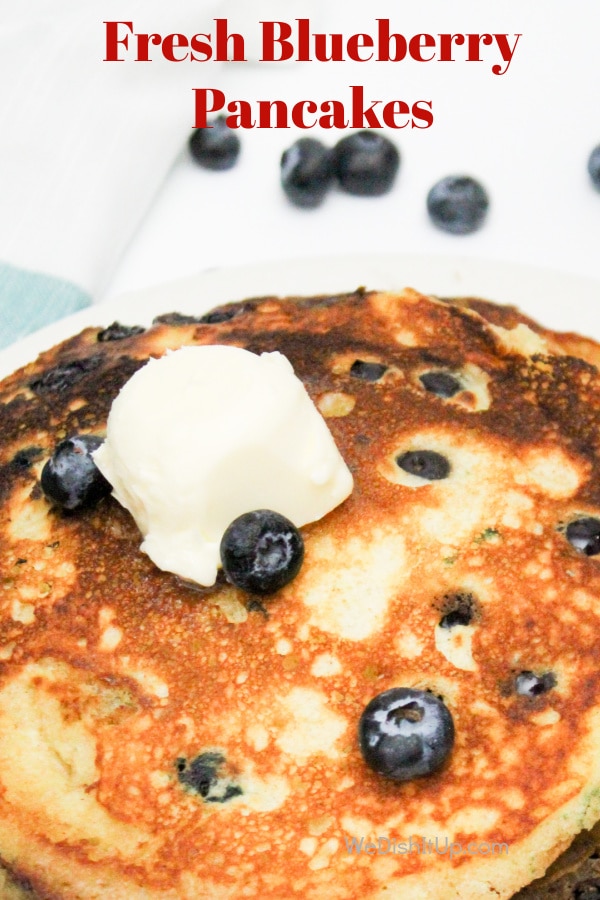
306 172
215 147
406 733
261 551
594 167
70 478
458 204
365 163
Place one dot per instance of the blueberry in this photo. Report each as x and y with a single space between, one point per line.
443 384
306 172
528 684
458 609
176 319
71 478
367 371
261 551
222 314
24 459
118 332
587 890
457 204
215 147
65 375
456 617
406 733
365 163
594 167
206 775
214 316
584 535
425 463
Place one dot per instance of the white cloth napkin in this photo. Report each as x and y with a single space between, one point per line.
85 145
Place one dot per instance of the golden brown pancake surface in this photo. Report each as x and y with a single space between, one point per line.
162 742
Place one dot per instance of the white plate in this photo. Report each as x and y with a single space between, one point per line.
560 301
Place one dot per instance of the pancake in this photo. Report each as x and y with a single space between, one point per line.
169 743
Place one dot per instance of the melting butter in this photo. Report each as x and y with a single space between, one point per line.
205 434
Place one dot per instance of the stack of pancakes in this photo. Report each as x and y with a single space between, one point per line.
167 743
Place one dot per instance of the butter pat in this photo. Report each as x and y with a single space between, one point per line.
204 434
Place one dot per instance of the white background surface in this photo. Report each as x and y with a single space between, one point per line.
526 135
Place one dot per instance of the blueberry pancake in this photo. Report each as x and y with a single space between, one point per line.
415 714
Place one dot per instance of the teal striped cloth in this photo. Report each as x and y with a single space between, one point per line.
29 300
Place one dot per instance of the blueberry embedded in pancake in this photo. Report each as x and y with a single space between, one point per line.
158 741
